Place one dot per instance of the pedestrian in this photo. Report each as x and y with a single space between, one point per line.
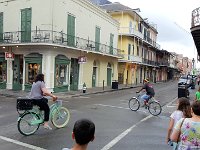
183 111
188 130
197 95
38 91
83 133
198 80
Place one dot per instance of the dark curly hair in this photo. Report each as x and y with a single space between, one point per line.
39 77
185 107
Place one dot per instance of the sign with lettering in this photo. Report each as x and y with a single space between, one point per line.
82 59
9 55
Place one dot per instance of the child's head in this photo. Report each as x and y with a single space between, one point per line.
83 131
184 106
196 108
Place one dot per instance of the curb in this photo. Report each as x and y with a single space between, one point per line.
103 91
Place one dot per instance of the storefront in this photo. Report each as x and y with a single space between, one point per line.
3 71
33 66
61 78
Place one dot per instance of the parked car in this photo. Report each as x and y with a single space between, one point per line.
185 80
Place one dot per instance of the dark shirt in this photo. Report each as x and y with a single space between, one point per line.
149 89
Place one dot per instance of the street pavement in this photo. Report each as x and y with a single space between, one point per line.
117 127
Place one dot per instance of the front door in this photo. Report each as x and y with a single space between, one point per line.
94 76
74 74
18 72
3 72
109 75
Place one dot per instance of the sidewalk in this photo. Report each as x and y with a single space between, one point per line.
68 94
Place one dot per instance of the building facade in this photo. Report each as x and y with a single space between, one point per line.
71 42
137 38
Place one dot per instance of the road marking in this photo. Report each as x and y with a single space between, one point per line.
119 107
123 134
112 106
21 143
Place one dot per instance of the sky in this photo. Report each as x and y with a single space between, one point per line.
173 21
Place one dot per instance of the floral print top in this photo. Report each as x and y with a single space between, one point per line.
190 134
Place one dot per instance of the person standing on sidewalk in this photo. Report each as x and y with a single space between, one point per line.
183 111
197 95
188 130
198 80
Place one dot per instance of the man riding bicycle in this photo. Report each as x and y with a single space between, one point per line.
149 91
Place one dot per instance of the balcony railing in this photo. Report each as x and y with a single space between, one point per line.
164 64
131 58
134 32
149 62
130 31
195 17
151 42
58 38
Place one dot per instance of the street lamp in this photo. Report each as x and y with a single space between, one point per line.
193 63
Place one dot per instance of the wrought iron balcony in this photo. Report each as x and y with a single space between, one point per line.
133 32
130 32
151 42
195 28
131 58
149 62
164 64
57 38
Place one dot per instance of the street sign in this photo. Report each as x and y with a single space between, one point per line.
82 59
9 55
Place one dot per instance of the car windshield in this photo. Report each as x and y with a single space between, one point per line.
183 80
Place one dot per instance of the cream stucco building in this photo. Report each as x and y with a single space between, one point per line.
71 41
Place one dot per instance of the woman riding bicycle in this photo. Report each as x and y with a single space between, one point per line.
149 91
38 91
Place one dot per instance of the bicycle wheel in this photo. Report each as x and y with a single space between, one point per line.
154 108
134 104
24 123
60 117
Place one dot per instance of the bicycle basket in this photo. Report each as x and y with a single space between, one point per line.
59 102
24 104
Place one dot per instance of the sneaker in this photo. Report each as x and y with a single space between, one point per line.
47 127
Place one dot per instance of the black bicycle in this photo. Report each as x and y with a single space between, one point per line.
153 105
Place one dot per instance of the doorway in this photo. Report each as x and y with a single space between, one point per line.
74 74
18 72
109 74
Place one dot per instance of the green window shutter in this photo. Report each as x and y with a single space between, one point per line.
71 30
111 43
23 25
1 27
129 51
28 29
97 38
26 15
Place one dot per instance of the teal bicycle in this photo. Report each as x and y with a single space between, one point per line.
31 117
